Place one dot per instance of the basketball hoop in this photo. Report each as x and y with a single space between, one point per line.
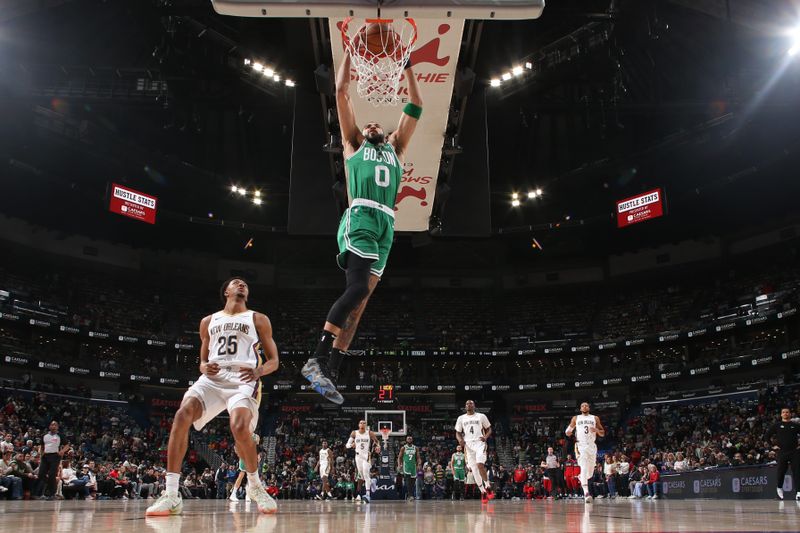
379 53
385 434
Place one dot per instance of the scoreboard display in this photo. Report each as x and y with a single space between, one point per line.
385 395
639 208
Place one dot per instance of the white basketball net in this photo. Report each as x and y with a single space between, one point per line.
379 73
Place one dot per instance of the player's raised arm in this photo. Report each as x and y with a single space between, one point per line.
210 369
571 427
351 135
408 120
601 431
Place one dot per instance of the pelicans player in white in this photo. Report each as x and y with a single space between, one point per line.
472 431
362 439
231 364
323 466
586 428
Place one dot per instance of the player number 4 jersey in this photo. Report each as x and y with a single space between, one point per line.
583 433
472 426
233 339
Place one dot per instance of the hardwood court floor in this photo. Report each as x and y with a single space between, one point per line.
201 516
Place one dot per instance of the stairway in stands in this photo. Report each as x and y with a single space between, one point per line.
270 447
210 456
505 452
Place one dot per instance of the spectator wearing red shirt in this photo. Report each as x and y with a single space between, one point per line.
520 477
529 490
653 482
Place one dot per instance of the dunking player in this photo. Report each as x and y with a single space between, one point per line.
588 428
361 439
472 431
323 466
458 467
408 463
231 364
788 433
374 167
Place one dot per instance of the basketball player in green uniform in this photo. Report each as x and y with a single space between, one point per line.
374 168
408 462
458 465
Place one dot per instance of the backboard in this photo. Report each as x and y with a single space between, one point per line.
397 9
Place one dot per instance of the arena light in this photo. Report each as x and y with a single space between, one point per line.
531 195
795 42
247 62
241 191
234 189
528 65
495 82
257 201
257 194
268 72
506 76
517 71
276 77
289 83
258 67
514 203
515 196
538 192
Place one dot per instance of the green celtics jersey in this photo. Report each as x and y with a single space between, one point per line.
374 173
410 459
458 462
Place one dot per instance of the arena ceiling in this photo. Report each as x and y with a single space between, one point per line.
629 95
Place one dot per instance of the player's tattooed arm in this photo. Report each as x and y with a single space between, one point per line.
210 369
351 135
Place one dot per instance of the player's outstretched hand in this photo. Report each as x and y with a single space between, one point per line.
209 369
249 375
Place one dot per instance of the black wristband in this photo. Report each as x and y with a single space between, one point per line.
408 63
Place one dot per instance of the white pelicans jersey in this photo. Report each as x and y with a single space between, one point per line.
472 426
583 432
233 339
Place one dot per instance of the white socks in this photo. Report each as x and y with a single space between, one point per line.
253 479
172 482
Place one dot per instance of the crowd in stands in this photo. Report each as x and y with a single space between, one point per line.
125 303
109 454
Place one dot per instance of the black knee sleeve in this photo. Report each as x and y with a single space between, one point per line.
357 289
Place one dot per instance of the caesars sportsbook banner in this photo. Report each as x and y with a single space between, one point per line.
434 60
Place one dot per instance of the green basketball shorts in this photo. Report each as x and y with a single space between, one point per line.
368 233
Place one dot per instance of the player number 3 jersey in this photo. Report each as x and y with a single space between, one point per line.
583 433
233 339
472 426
